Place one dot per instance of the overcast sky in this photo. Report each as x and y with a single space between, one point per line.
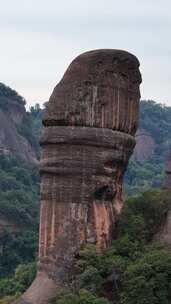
39 38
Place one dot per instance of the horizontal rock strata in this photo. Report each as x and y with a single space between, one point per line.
89 128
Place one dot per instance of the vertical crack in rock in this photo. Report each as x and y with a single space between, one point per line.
88 138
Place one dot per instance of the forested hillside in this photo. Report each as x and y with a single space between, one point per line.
130 272
155 120
19 189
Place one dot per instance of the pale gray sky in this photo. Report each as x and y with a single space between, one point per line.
39 38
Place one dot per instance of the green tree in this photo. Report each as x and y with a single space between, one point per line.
148 280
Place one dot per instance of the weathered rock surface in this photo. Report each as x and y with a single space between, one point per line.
89 128
98 91
145 145
12 142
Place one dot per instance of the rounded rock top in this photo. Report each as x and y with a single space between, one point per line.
99 89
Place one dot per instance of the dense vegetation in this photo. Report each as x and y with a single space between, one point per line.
144 175
7 92
36 115
18 191
156 119
19 205
134 270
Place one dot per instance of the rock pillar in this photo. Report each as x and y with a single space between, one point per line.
88 137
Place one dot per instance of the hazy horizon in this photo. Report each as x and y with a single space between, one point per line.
39 39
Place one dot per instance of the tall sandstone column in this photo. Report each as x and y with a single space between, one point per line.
88 137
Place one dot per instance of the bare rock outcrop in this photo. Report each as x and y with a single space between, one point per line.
88 138
145 145
13 124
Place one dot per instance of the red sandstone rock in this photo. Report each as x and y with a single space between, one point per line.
88 138
99 89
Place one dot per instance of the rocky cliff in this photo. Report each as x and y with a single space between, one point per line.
89 128
17 141
16 135
145 145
